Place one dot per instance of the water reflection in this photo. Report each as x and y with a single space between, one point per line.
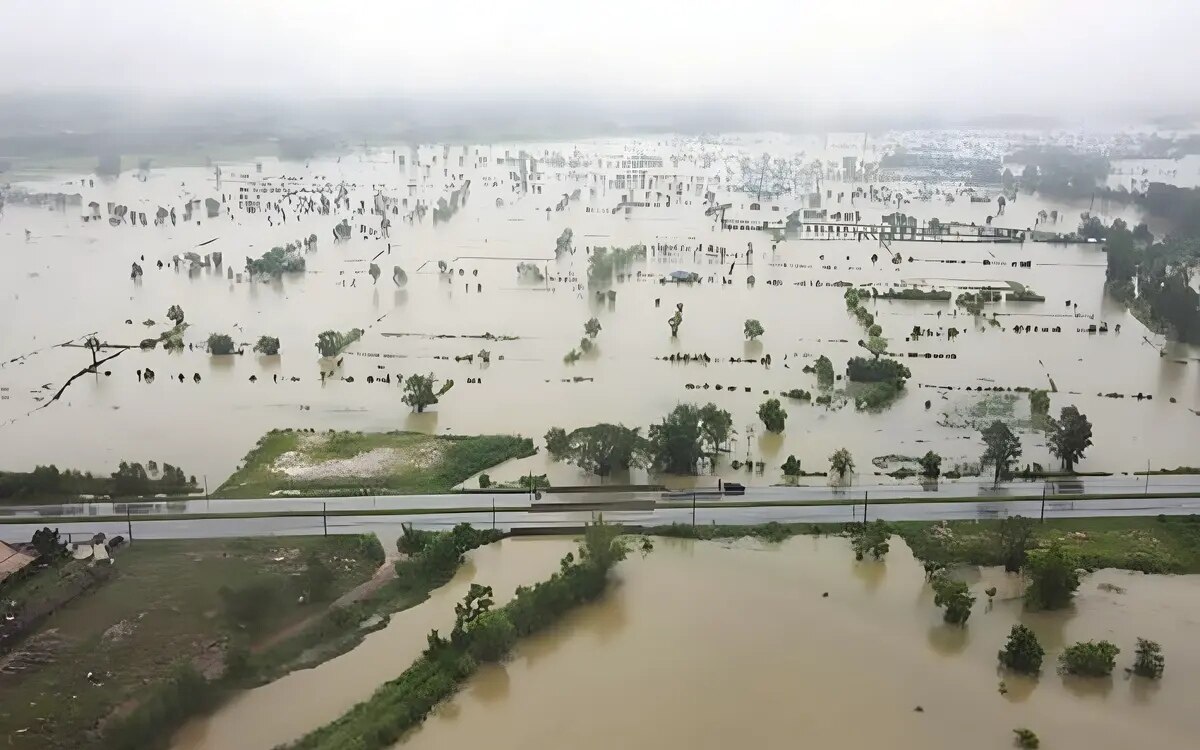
947 639
1088 687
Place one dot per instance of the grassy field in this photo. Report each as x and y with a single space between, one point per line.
161 607
356 463
1163 544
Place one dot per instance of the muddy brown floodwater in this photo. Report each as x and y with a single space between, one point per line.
288 708
72 278
708 645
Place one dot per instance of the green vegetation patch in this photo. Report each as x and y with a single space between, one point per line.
162 621
297 463
1166 544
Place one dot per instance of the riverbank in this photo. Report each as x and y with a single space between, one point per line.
297 463
169 613
481 635
1161 544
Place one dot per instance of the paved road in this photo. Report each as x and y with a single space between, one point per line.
1132 485
389 526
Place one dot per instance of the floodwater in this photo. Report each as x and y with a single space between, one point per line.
72 278
707 645
288 708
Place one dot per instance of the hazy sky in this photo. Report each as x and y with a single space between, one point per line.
976 56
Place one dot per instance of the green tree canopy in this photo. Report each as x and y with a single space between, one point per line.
824 371
601 448
931 465
715 426
841 463
592 327
772 415
870 538
1149 661
677 442
1002 448
331 343
220 343
791 467
1052 577
268 345
1089 659
752 328
418 392
954 596
1069 436
1014 536
1022 653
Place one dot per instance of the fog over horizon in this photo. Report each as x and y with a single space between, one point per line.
926 58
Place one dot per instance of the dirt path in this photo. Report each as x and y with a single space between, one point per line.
386 572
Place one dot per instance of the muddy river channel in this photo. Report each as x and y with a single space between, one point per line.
714 645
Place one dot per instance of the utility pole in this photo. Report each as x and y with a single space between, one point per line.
1147 492
325 518
865 493
1043 502
206 505
693 510
493 512
128 524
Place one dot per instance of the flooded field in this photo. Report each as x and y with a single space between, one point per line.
70 278
714 646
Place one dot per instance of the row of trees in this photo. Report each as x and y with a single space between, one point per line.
1024 654
1068 438
1163 271
675 445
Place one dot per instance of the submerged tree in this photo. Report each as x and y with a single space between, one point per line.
418 392
220 343
876 345
841 463
1003 448
824 371
752 328
955 597
563 244
592 327
1022 653
331 343
268 345
791 467
674 322
678 442
1149 661
1089 659
175 314
931 465
870 538
1069 436
599 449
772 415
1053 577
716 425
